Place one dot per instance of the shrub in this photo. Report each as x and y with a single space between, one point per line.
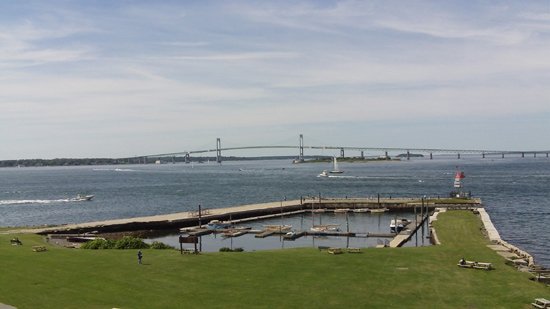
128 242
160 245
226 249
98 243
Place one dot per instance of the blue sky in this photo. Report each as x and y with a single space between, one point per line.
123 78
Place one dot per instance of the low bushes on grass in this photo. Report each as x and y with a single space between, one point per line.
160 245
126 242
226 249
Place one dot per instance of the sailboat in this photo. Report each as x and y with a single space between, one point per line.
335 169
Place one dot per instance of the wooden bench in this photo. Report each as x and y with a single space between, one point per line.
476 265
38 248
484 266
466 264
541 303
15 242
335 250
354 250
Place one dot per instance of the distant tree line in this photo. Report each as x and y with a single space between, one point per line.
121 161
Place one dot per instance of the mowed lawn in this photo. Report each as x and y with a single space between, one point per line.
290 278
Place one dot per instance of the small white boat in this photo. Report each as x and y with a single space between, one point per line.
378 210
325 228
82 197
398 225
323 174
361 210
341 210
217 225
276 227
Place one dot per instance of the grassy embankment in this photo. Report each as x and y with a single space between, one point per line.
292 278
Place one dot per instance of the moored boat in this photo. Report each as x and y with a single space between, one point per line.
378 210
217 225
325 228
397 225
276 227
341 210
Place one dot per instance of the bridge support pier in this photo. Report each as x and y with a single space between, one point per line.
301 156
523 154
483 155
342 154
187 158
408 155
534 154
458 155
547 154
218 150
431 156
503 155
362 155
386 155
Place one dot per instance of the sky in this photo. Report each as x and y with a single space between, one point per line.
128 78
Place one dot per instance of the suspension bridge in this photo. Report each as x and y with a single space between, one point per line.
406 152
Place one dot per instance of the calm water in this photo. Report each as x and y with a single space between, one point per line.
359 223
514 190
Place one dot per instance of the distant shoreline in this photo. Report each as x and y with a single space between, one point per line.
172 160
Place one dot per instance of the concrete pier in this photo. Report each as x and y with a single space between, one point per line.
245 213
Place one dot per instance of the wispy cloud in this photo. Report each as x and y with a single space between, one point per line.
126 69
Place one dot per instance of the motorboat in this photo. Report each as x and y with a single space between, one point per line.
323 174
217 225
325 228
341 210
378 210
83 197
397 225
276 227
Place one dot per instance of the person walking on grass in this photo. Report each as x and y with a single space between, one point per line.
140 256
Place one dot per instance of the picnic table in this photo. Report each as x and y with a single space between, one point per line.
541 303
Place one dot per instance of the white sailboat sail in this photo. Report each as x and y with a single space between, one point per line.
335 169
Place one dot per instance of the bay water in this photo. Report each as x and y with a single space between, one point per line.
515 191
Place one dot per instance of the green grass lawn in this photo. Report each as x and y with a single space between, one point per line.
291 278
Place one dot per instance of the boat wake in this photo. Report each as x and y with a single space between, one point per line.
24 202
20 202
115 169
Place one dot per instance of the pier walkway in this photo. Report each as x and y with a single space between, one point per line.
407 233
244 212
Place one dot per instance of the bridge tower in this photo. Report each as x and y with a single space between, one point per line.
342 153
187 158
218 150
301 157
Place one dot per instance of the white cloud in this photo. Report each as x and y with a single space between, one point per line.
126 71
